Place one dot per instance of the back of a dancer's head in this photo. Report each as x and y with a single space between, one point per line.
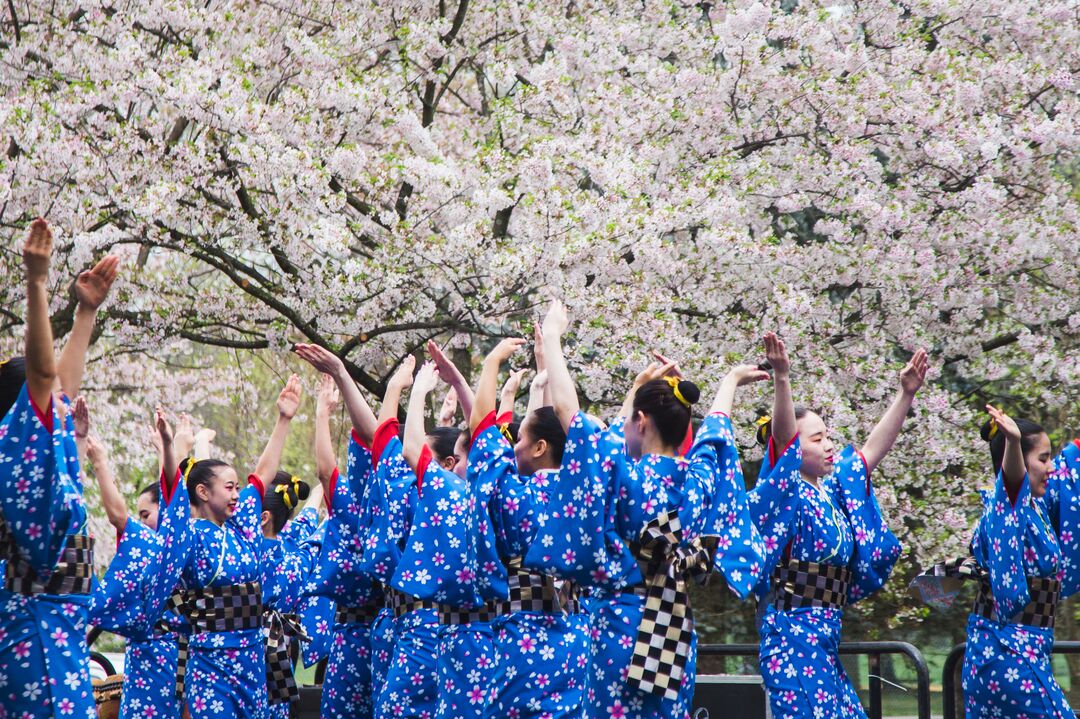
441 440
668 404
764 428
282 498
1030 432
540 441
12 379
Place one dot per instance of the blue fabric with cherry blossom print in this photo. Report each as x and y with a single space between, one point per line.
43 653
1007 668
836 523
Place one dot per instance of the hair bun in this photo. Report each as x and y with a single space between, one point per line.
989 430
689 391
302 490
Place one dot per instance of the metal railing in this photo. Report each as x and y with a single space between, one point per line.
952 665
873 652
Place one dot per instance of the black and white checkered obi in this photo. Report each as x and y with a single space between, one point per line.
809 584
281 630
1039 612
363 614
401 603
530 591
666 629
73 574
231 608
461 615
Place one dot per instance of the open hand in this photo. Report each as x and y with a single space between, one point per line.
327 398
914 373
776 354
92 286
80 415
288 402
1004 422
556 320
37 250
320 358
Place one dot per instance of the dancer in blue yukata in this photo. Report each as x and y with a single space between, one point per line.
347 688
131 598
626 518
1024 549
822 526
541 651
435 567
222 670
45 551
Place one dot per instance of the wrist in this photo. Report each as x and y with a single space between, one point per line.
34 279
85 309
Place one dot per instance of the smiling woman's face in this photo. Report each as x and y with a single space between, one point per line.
817 449
220 496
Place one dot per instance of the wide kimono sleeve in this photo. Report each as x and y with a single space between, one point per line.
999 544
392 482
300 527
577 536
1063 504
336 570
123 601
437 563
876 547
511 505
774 504
739 554
40 488
316 612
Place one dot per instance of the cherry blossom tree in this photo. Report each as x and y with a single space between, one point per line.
864 177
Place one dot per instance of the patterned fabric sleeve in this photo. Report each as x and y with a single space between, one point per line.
120 602
1063 502
40 489
876 547
388 499
247 519
774 503
999 546
512 505
577 537
436 563
740 552
301 526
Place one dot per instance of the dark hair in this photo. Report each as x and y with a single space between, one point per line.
514 430
656 398
764 429
443 440
12 379
202 473
996 438
280 504
154 490
544 424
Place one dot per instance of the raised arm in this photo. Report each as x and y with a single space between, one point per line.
91 289
488 384
183 437
41 369
886 431
783 416
537 392
203 438
448 410
508 396
1013 469
270 460
735 378
412 446
324 360
111 499
402 378
80 419
655 370
169 464
326 404
564 399
450 374
541 366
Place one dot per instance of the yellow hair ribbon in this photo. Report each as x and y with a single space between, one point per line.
283 490
762 423
673 382
504 429
187 472
993 429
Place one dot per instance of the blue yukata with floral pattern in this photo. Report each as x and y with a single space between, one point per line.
541 657
600 502
438 564
1007 666
130 602
837 523
347 688
411 687
392 496
316 612
43 652
226 671
287 563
